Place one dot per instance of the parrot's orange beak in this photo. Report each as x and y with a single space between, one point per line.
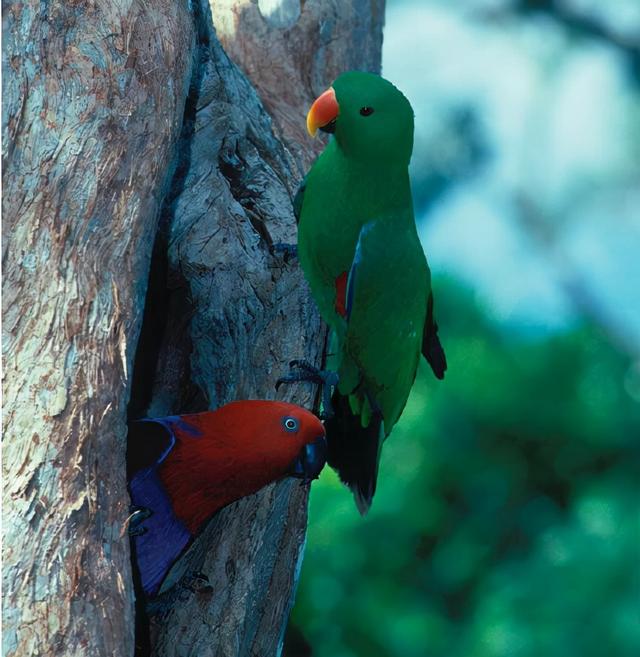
323 113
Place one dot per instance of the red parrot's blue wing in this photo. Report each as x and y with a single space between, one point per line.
163 536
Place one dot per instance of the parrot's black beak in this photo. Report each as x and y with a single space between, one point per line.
310 461
329 128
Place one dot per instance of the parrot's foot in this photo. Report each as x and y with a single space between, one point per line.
287 251
138 515
301 370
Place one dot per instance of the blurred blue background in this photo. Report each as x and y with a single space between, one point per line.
506 521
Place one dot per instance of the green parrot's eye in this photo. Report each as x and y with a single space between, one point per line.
290 424
366 111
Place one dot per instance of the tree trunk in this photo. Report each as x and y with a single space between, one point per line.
124 126
90 93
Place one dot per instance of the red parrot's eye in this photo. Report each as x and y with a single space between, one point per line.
290 424
366 111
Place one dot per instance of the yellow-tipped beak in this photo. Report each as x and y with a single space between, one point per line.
323 111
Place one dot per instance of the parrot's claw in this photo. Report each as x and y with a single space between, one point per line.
301 370
138 515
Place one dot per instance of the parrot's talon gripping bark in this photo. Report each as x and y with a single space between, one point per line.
138 515
301 370
303 365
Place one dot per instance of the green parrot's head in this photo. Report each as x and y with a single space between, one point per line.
370 118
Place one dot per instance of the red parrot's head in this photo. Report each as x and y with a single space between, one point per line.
185 468
252 442
286 438
216 457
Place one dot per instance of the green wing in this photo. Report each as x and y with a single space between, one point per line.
387 292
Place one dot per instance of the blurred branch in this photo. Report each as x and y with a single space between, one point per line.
540 228
579 23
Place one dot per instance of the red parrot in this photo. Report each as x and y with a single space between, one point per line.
184 468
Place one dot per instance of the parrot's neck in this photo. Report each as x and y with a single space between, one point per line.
380 184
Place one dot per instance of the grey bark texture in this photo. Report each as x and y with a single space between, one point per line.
91 91
126 125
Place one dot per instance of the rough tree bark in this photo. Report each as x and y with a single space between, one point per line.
90 92
124 125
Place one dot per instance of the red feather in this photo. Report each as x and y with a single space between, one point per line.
341 294
243 446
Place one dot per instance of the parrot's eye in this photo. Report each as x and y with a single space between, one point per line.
366 111
290 424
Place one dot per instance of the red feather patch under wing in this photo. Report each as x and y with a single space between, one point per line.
341 294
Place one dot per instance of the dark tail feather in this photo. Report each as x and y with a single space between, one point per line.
431 347
354 450
434 353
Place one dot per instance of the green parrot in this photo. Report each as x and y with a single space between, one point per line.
359 249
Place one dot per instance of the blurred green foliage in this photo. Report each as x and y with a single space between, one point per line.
506 518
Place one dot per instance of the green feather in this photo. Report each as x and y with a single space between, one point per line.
356 218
